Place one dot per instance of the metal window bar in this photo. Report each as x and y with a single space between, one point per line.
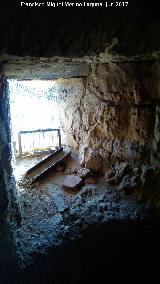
42 140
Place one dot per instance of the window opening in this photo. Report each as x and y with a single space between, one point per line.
34 117
35 124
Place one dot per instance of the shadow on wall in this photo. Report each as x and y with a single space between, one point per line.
8 260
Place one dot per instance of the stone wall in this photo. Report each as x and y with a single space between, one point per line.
115 111
7 248
156 140
124 97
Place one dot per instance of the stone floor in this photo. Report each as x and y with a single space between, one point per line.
64 234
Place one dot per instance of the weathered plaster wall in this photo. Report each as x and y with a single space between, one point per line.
70 95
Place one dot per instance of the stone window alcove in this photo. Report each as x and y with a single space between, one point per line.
66 88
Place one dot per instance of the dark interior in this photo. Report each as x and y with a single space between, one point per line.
105 65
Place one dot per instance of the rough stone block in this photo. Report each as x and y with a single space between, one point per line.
72 182
94 162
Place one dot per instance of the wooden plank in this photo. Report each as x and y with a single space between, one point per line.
56 164
44 160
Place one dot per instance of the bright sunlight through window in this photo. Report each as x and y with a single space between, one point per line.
34 116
